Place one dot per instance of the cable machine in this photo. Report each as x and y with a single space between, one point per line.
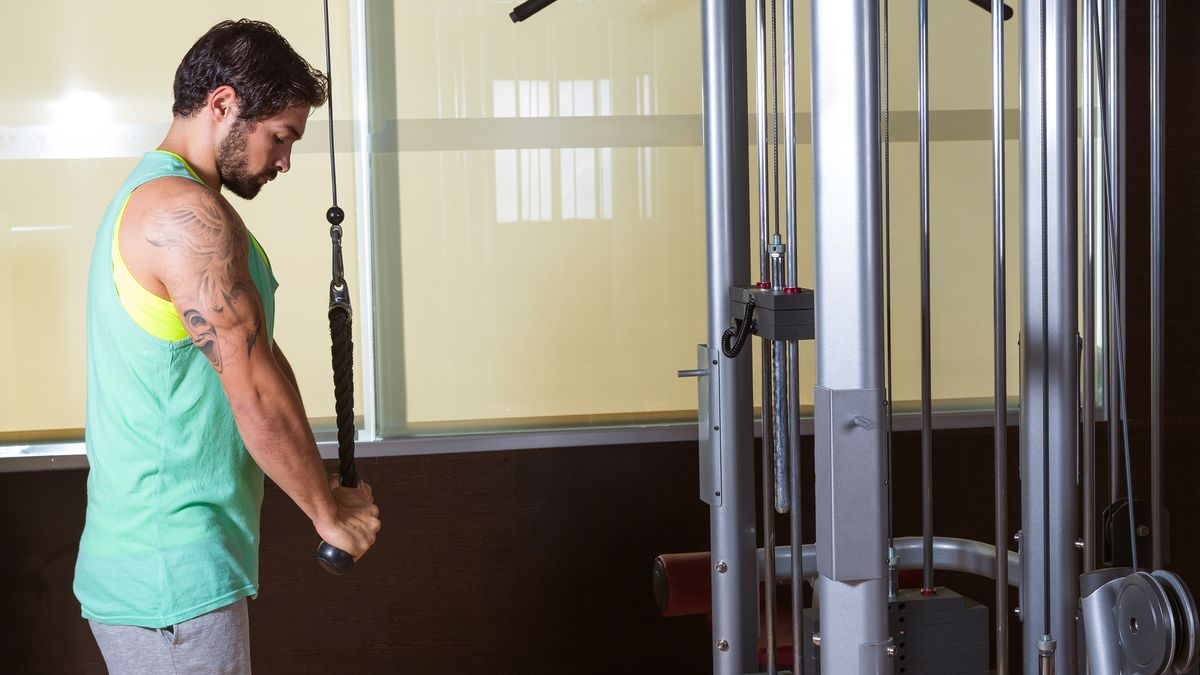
1136 620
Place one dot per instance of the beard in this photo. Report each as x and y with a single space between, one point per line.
233 164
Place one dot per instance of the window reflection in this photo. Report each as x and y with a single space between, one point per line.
524 178
645 159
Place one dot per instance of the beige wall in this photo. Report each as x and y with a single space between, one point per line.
87 90
524 294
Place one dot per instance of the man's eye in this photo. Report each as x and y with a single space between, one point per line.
278 140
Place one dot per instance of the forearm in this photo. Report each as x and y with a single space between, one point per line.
271 420
285 366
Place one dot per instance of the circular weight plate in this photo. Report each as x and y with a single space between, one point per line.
1144 623
1186 620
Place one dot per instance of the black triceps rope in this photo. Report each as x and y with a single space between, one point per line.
333 559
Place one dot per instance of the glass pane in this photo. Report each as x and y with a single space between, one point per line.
551 214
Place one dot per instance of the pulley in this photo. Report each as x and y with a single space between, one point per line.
1142 623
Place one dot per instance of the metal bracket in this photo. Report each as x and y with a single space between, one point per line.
850 466
876 659
708 379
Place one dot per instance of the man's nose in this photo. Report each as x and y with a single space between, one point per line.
284 162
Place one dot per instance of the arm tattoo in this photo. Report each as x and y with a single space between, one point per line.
220 293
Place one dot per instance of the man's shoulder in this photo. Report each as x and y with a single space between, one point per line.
170 199
167 191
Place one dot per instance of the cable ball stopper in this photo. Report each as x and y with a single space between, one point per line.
335 215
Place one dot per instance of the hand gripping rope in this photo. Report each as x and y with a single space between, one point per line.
333 559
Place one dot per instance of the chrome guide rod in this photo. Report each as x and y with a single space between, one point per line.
796 521
779 443
789 142
796 534
1111 62
774 119
926 356
787 370
772 409
760 116
1047 644
768 485
1088 136
1049 511
893 571
725 138
999 301
1157 280
849 332
769 270
1119 333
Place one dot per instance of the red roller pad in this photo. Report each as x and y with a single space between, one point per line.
683 583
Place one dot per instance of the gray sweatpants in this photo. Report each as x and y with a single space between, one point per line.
216 643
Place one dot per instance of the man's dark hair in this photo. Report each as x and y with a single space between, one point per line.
253 58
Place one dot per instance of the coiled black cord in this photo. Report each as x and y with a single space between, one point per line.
734 339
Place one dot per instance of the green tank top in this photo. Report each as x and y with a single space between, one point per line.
173 504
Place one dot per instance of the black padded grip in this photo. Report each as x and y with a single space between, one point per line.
333 559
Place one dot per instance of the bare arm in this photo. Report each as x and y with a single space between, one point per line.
284 365
205 270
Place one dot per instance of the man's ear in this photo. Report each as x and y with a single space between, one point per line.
223 104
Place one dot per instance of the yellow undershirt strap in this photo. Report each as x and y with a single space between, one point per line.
155 315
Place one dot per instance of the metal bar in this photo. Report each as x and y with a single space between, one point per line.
926 355
760 116
769 451
726 155
796 521
893 573
779 380
774 121
1157 281
792 349
789 141
845 105
1119 333
999 301
1044 228
950 554
1049 496
1088 441
1113 52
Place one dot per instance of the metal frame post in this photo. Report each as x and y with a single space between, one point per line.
849 410
1157 279
1049 492
726 156
1113 34
1088 131
389 406
1000 346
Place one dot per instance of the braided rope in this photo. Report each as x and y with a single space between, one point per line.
342 350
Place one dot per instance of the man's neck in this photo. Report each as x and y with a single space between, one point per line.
195 145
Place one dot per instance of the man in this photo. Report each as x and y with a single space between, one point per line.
190 400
